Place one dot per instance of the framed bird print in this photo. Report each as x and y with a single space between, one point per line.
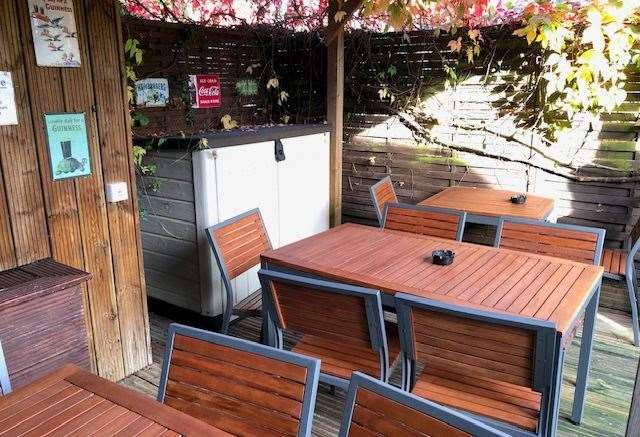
55 36
68 145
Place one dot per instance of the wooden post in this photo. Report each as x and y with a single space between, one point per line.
335 107
634 414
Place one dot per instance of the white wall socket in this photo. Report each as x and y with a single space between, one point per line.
117 192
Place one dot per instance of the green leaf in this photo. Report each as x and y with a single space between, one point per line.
392 70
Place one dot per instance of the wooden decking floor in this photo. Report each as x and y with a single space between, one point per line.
610 382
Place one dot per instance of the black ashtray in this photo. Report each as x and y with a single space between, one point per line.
442 257
519 199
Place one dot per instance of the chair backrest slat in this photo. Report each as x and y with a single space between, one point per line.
479 350
382 192
425 220
459 346
375 408
238 243
5 384
634 239
575 243
308 310
329 314
236 385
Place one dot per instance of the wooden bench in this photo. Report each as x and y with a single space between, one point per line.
238 386
237 244
381 193
619 266
424 220
496 366
5 384
373 408
339 324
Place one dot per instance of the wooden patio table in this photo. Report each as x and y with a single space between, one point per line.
71 401
486 205
481 277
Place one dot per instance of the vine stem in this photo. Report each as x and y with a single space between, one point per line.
566 170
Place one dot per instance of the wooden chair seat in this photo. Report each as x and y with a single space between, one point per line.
250 305
342 355
614 261
499 400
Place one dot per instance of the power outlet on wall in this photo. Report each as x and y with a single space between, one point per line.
117 192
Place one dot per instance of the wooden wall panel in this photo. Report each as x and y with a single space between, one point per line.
77 84
70 220
21 198
117 167
7 251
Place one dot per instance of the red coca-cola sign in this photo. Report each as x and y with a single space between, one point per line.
205 91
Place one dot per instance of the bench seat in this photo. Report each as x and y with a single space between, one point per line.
498 400
614 262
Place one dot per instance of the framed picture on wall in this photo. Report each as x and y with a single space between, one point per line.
68 145
55 36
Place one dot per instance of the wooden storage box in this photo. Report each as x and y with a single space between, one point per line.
42 324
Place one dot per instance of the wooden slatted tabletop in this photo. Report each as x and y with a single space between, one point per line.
490 202
483 277
71 401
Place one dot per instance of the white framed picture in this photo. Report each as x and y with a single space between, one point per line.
8 113
55 36
152 92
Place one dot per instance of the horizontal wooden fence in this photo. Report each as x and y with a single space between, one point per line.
378 142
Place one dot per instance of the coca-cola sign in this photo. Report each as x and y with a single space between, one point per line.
205 91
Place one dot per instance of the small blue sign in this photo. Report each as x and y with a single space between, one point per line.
68 145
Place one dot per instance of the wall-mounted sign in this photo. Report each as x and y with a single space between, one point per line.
8 114
152 92
55 36
205 91
68 145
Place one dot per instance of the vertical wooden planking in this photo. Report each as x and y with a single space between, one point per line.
45 94
335 109
22 209
115 143
7 253
94 228
70 220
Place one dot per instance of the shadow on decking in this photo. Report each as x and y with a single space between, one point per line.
611 379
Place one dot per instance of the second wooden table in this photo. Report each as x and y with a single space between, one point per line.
486 205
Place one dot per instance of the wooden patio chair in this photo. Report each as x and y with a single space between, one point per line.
425 220
504 370
619 265
376 408
575 243
5 384
237 244
340 324
381 193
241 387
